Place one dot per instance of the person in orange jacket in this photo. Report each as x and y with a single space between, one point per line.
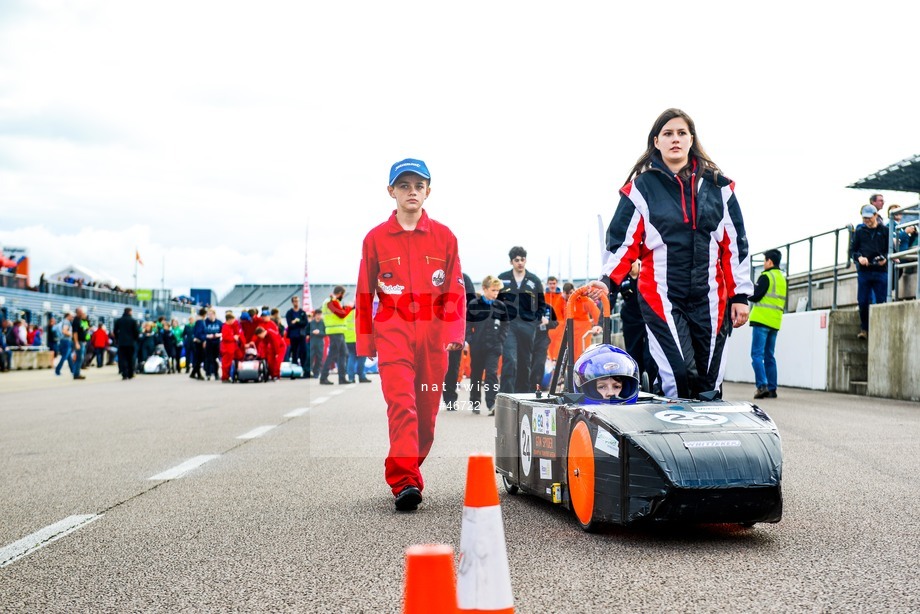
231 344
586 315
271 348
556 302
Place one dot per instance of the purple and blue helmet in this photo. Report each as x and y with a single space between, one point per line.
600 361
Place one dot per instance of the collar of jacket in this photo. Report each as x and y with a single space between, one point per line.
393 227
657 164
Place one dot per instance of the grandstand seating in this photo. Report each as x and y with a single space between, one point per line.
35 305
279 295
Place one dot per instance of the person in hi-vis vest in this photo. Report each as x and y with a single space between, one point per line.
768 304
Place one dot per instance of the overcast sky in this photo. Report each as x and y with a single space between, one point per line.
212 135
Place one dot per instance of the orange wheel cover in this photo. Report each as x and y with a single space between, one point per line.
581 472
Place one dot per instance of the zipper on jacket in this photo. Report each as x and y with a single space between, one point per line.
389 260
428 259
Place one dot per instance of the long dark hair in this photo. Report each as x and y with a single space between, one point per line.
696 149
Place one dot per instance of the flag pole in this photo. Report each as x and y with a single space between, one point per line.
135 270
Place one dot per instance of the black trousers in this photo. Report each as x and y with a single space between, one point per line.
449 392
211 357
299 354
197 354
483 360
126 360
690 362
635 338
517 356
316 356
338 355
538 361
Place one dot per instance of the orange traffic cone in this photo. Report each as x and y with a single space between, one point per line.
430 583
484 581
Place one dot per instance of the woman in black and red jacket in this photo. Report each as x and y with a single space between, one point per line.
679 216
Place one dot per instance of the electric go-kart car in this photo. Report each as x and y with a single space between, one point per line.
655 460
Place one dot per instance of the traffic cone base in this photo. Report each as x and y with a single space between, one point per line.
430 582
483 580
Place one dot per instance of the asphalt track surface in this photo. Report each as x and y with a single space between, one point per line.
299 518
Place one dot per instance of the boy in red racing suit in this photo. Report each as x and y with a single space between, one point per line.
271 348
231 340
410 264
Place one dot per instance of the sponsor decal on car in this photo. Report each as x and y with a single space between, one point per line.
723 409
721 443
606 442
544 420
546 469
689 418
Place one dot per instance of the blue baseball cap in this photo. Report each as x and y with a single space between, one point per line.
409 165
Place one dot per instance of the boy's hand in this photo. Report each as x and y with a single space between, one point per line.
453 346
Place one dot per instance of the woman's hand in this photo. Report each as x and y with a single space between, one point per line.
596 289
739 314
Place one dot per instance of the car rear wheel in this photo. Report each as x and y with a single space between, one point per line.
581 475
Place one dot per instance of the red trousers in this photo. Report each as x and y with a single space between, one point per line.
412 389
228 354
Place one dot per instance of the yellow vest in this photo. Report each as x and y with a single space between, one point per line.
769 311
334 324
350 335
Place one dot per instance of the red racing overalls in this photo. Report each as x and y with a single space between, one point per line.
415 278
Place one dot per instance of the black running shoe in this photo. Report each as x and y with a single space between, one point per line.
408 499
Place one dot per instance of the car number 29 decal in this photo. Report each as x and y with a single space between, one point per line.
690 418
526 445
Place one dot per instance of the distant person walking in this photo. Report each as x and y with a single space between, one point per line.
455 357
769 303
486 331
297 324
870 253
334 313
522 293
127 332
65 345
81 337
100 341
317 342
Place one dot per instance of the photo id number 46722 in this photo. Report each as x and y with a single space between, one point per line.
467 405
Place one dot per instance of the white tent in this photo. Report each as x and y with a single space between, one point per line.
77 271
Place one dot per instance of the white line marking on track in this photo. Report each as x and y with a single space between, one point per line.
319 400
296 413
43 537
335 392
257 432
180 470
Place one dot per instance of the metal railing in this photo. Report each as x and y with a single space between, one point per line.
823 262
87 292
899 257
